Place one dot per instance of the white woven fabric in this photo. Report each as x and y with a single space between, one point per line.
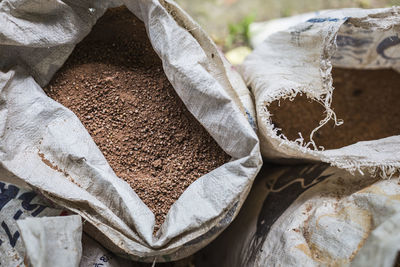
52 241
36 37
299 60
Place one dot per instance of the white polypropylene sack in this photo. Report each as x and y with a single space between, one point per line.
382 246
313 215
299 60
45 145
93 254
52 241
259 31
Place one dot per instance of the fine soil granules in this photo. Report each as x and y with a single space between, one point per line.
114 82
366 101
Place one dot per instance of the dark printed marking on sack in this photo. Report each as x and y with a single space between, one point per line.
38 211
11 237
9 192
386 44
346 54
285 189
17 214
344 40
295 35
102 259
26 202
328 19
251 120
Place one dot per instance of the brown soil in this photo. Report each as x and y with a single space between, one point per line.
49 163
366 100
114 82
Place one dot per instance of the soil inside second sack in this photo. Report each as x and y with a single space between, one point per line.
114 82
366 101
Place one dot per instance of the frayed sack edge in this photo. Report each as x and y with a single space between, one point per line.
298 149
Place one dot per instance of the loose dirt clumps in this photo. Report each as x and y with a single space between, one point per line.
114 82
366 100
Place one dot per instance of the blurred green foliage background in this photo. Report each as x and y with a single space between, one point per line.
226 21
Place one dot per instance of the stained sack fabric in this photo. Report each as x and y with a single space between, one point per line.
36 38
52 241
312 215
93 254
299 60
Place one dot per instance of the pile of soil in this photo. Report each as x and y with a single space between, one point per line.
366 100
114 82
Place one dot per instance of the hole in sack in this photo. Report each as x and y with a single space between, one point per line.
114 82
366 100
